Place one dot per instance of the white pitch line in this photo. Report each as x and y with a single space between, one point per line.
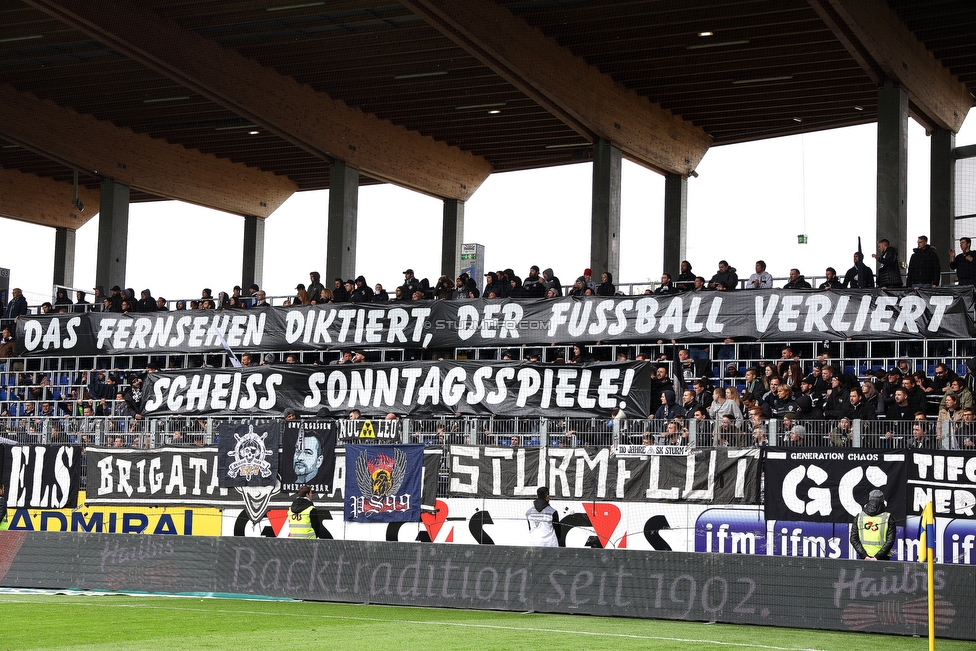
745 645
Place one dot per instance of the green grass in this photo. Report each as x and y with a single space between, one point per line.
36 621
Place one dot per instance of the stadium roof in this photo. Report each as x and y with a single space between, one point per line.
235 105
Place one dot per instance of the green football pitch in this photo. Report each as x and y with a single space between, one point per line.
52 621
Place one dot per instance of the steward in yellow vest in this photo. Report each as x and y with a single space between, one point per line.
873 530
303 517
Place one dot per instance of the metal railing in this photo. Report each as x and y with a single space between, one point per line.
130 432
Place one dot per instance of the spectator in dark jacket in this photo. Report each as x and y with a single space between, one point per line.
551 281
17 305
606 288
315 285
860 275
889 271
964 263
856 407
924 268
726 279
797 281
534 285
146 302
832 281
494 286
686 277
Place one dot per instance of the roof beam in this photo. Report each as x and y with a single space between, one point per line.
885 48
314 121
137 160
37 200
577 93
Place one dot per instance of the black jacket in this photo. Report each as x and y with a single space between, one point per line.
924 267
889 272
799 283
859 276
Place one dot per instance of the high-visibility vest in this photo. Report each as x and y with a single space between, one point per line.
300 525
873 531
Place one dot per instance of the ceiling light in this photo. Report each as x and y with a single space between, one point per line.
702 46
416 75
494 112
254 133
300 5
568 145
858 108
175 98
759 80
706 33
798 119
477 106
236 126
13 39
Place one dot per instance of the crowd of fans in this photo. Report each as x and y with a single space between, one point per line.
781 391
815 406
923 270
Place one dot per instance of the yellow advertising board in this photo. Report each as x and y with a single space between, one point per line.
173 520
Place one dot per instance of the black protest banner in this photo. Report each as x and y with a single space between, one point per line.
945 478
718 475
831 485
247 457
771 315
412 388
189 477
41 476
308 455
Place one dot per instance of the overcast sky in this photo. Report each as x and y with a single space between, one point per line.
749 201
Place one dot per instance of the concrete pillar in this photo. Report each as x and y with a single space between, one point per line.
452 235
343 215
64 257
892 214
942 194
113 234
675 222
252 268
605 219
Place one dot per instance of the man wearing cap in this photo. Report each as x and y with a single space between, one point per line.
533 285
410 283
587 279
542 520
873 532
117 298
891 384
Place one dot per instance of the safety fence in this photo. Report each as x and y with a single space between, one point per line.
133 432
65 378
